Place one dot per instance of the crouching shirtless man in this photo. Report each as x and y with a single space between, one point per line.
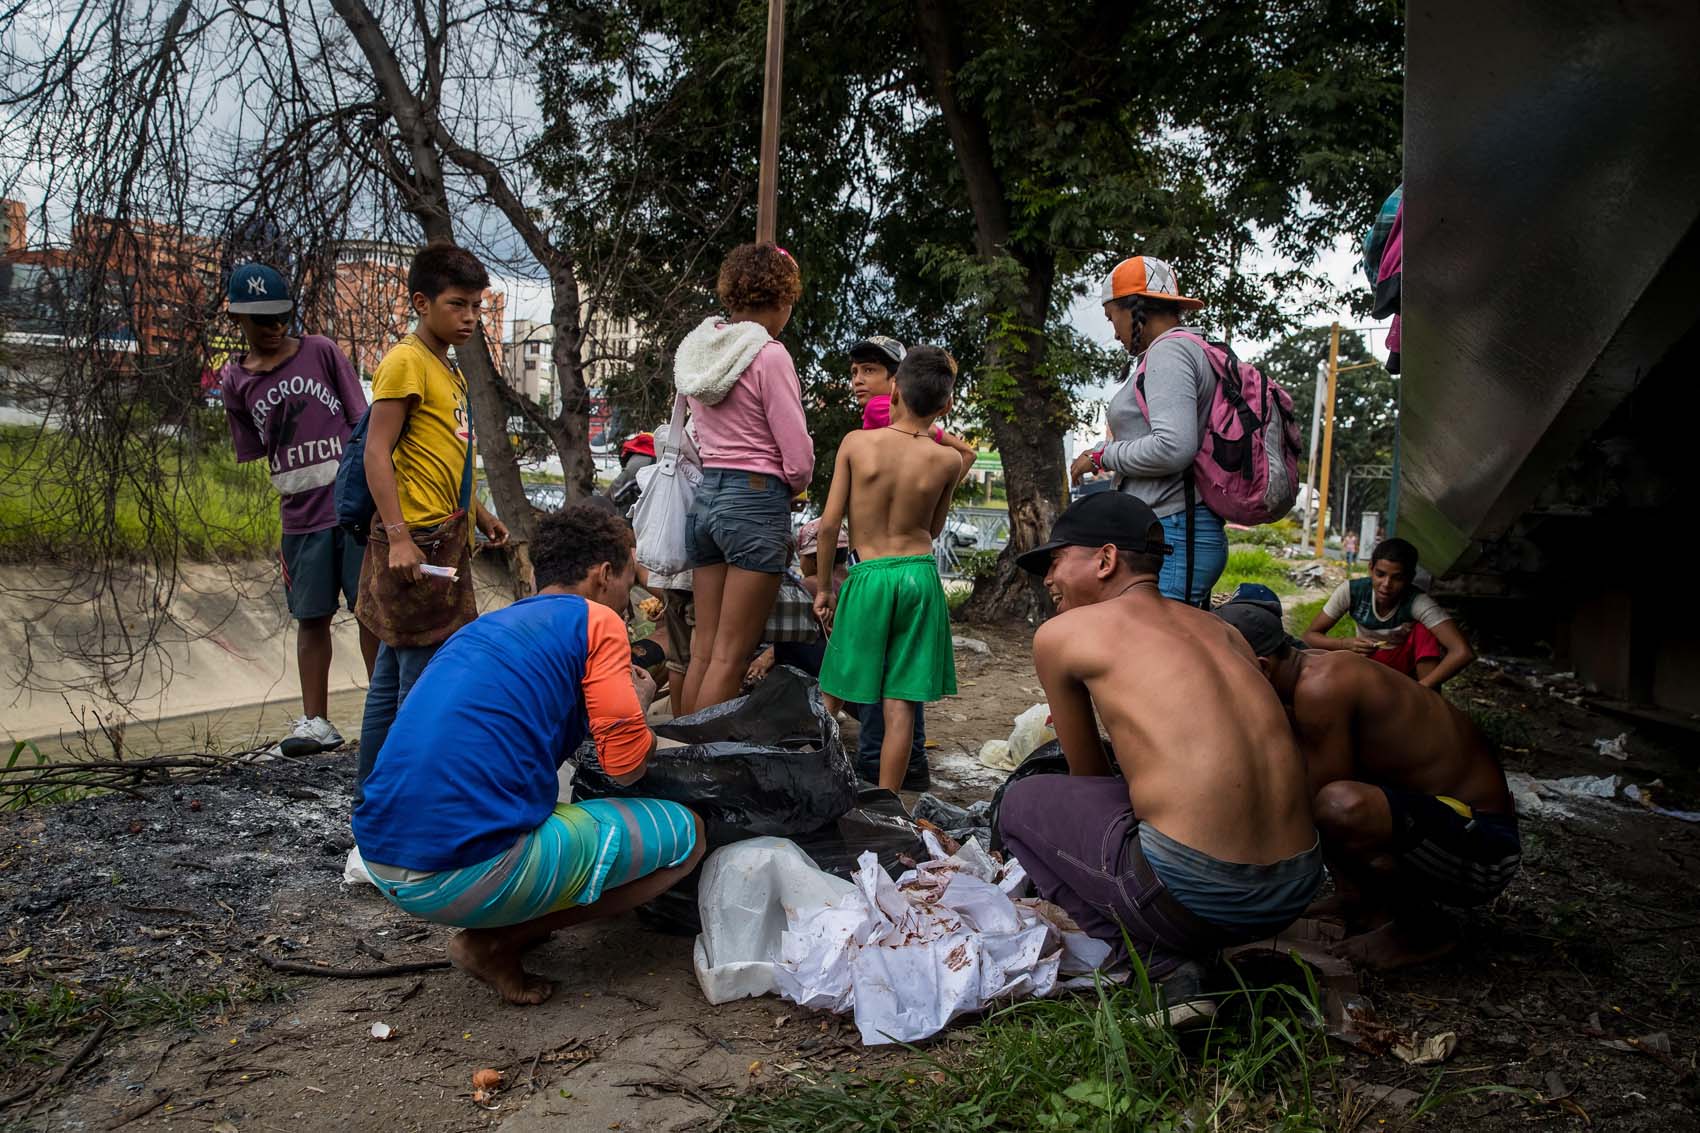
1410 801
1206 840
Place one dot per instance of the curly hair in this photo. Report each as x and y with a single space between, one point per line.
758 277
573 540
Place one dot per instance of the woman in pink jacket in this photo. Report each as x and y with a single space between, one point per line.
756 455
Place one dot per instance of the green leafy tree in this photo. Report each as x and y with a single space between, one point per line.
1366 405
960 173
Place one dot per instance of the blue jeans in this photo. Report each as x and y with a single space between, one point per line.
1209 555
393 674
872 718
742 519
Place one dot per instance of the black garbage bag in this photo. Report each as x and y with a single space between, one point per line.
1046 759
767 763
877 822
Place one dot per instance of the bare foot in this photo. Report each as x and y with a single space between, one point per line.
482 960
1397 944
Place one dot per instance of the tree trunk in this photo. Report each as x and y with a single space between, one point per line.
1029 436
427 199
1029 429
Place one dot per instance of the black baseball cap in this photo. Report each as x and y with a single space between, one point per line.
1261 628
878 348
1104 518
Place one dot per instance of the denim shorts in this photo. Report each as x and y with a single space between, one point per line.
742 519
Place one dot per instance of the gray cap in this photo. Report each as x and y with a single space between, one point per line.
878 348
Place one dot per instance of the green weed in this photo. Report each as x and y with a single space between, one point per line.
1300 617
40 1018
16 793
1088 1064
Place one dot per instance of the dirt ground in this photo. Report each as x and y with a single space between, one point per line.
1577 989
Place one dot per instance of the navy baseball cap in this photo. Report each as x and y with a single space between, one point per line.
256 289
1101 519
878 348
1262 629
1257 594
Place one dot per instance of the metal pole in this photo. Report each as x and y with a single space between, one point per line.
767 182
1310 466
1345 503
1327 437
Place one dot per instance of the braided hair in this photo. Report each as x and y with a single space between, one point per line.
1143 306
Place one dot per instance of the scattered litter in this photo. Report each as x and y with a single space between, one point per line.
1311 574
1426 1052
996 754
905 957
971 645
1645 796
961 823
1617 748
1550 797
487 1079
383 1032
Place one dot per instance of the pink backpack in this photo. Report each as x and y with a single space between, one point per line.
1247 467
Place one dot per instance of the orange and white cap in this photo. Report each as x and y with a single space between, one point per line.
1146 275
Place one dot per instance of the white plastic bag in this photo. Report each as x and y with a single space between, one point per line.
1032 730
354 869
668 487
744 896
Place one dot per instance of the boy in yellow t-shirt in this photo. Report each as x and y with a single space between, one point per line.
419 468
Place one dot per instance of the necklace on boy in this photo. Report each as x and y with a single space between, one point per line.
906 432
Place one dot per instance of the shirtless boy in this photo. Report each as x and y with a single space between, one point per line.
892 645
1206 839
1410 801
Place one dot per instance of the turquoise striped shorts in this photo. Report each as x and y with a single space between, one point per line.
581 850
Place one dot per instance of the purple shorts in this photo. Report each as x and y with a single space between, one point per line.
1078 839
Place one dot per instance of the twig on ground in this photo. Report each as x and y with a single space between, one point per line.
140 1109
277 965
65 1068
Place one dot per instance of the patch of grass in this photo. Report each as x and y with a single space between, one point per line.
42 1017
16 796
1254 564
1090 1064
1280 534
167 497
1300 617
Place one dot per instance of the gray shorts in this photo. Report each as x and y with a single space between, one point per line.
742 519
316 566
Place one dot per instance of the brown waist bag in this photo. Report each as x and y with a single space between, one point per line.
406 614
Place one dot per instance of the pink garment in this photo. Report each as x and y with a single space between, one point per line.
876 414
759 426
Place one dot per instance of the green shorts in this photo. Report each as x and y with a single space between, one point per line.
890 634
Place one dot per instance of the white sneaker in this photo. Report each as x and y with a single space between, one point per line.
309 735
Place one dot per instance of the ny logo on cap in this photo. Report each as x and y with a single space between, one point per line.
256 285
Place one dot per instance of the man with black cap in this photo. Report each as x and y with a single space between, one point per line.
1410 801
1205 840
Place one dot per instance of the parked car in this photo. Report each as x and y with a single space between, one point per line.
961 534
